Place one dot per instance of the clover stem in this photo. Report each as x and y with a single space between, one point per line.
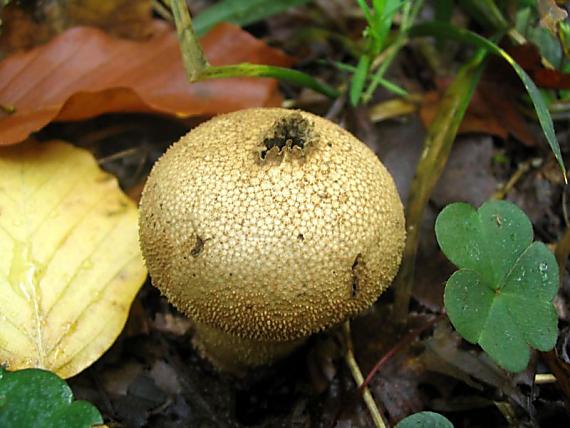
359 379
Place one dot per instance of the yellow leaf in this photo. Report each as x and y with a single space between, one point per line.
70 263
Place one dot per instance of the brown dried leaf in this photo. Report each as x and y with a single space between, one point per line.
26 27
528 57
444 354
84 72
551 14
492 111
123 18
478 118
378 338
21 30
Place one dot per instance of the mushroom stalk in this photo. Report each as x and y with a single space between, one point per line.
234 354
268 225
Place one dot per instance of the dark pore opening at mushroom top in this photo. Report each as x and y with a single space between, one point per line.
286 133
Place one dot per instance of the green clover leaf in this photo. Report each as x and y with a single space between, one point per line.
35 398
501 296
425 420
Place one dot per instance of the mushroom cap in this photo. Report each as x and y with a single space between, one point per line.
271 224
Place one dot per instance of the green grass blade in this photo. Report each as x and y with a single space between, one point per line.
366 11
392 87
448 31
359 79
440 138
384 21
260 70
241 12
443 10
486 13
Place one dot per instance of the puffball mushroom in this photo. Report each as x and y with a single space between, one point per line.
267 225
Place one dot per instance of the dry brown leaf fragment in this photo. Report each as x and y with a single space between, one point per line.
551 14
27 26
123 18
493 110
84 72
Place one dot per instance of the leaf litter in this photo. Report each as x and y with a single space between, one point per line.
145 358
84 72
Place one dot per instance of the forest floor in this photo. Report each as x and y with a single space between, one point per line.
152 377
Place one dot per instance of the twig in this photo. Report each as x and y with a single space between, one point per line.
508 186
162 10
544 378
357 375
336 108
118 155
559 373
405 341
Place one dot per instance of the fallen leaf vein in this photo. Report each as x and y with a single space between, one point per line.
72 279
92 302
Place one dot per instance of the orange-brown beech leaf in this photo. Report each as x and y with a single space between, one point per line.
528 57
492 111
84 72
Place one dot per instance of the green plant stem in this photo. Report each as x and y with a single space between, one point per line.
162 10
378 76
192 54
440 138
258 70
409 15
359 379
467 36
197 68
